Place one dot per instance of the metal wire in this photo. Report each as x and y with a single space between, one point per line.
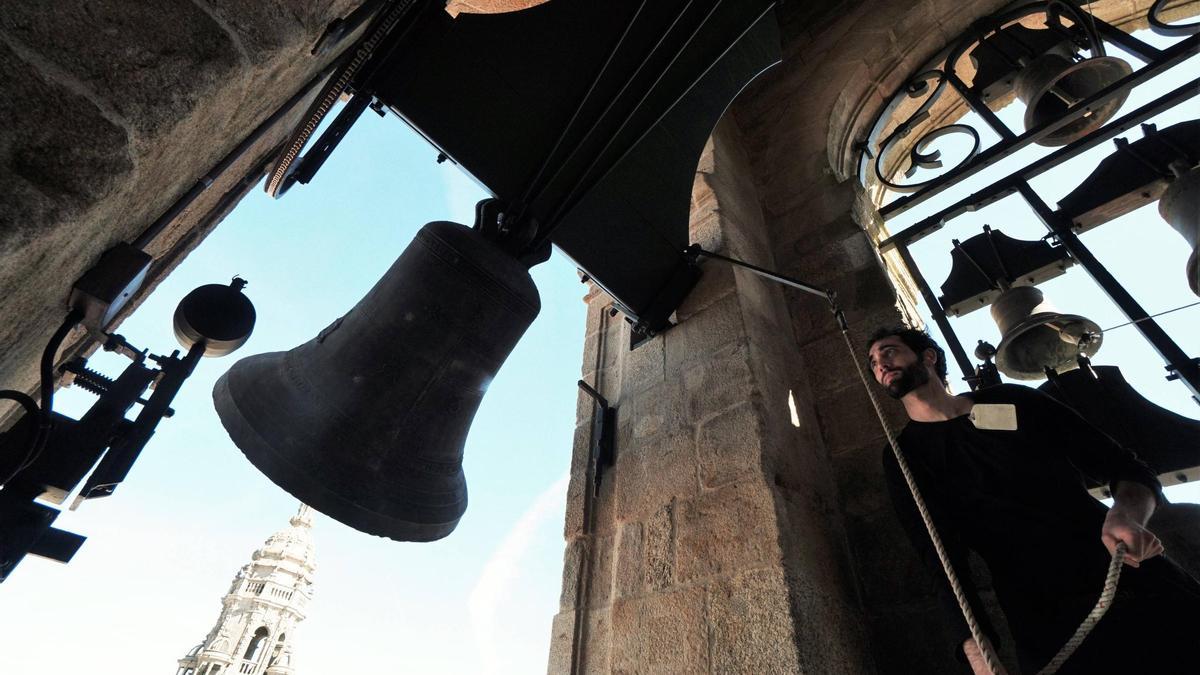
1146 318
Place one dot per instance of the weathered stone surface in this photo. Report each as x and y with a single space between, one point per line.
630 561
41 180
150 69
651 471
666 633
659 546
643 367
703 333
730 446
726 530
751 623
130 108
718 383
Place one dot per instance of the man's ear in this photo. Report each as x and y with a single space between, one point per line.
929 357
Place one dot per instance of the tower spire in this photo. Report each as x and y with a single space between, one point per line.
268 598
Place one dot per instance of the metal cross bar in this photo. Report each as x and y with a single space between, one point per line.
694 251
1170 57
1186 369
1008 185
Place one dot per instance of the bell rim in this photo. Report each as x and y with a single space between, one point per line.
1029 323
303 486
1193 271
1110 107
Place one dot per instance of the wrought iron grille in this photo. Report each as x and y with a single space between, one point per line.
1009 53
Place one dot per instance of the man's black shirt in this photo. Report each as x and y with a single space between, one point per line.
1019 500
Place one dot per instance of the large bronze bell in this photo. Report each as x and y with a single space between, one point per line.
1180 206
1036 336
1054 82
366 422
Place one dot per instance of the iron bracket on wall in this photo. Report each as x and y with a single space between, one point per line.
603 453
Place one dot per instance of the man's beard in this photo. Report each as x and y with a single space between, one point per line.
911 376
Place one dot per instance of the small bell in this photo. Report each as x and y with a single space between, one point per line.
1052 83
1180 207
1036 336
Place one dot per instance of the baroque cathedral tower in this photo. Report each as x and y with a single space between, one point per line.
266 601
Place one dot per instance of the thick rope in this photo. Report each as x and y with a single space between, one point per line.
1102 605
984 645
989 657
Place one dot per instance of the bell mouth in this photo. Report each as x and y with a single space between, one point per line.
1017 359
439 500
1052 84
1193 271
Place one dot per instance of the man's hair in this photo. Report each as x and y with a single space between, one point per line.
916 340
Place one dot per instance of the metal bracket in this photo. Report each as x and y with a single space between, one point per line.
604 448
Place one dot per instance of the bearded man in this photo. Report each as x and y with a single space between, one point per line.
1002 471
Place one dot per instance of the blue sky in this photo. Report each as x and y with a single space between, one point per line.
146 585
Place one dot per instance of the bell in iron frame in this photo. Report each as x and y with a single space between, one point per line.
1036 336
367 421
1052 83
1180 207
1042 68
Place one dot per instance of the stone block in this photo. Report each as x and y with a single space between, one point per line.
597 643
827 365
643 367
730 445
652 471
262 29
726 530
848 421
659 547
572 566
664 633
628 575
602 506
601 561
716 283
654 412
751 624
860 478
704 332
60 154
129 56
720 382
562 634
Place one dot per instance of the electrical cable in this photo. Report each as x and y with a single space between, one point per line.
41 433
32 412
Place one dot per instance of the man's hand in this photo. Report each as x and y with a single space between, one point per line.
1133 505
1140 543
975 658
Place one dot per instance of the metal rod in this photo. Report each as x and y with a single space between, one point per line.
562 135
587 388
1170 57
569 203
695 251
939 316
613 101
1007 185
1178 362
1144 51
979 106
